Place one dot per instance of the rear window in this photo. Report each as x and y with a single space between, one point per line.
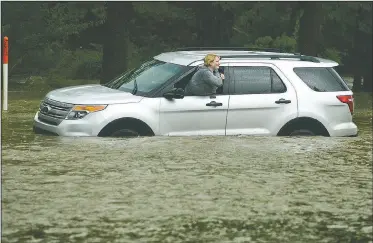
321 79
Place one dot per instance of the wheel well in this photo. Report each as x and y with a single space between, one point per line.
141 127
304 123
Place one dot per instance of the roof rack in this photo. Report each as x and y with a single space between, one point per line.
231 49
276 57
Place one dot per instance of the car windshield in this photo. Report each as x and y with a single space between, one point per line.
148 77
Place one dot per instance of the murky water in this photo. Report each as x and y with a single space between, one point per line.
191 189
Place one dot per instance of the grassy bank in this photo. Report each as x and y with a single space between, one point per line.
40 84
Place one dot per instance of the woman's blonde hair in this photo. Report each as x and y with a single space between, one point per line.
209 58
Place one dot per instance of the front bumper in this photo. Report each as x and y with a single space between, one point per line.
89 126
38 130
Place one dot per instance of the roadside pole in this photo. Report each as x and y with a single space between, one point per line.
5 80
5 73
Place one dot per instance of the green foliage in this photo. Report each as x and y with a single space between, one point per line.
332 54
259 19
265 41
80 64
40 32
64 19
155 10
283 42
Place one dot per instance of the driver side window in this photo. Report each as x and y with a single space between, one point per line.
223 90
184 81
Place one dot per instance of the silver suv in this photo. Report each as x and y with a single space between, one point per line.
264 93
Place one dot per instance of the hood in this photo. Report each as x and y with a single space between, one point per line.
92 95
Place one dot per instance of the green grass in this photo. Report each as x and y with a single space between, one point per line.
38 84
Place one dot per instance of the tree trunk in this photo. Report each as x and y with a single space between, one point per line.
206 24
214 24
115 48
293 18
367 83
356 86
309 28
366 62
356 54
226 21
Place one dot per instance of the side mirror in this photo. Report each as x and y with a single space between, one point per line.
176 93
169 95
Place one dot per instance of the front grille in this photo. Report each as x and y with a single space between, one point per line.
53 112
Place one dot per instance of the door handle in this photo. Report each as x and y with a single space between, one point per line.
213 103
282 101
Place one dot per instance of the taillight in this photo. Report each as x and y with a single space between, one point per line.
349 100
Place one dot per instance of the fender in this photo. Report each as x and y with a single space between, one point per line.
285 121
317 118
147 113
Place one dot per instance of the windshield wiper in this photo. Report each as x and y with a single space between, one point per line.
117 82
134 91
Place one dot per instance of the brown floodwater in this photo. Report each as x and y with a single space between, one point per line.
184 189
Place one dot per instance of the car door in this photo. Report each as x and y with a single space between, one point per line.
195 115
261 101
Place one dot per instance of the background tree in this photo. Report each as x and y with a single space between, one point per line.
309 29
116 41
65 41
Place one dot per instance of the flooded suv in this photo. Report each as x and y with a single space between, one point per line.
264 93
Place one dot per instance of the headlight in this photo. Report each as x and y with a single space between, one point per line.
80 111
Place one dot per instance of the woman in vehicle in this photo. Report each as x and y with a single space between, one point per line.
207 79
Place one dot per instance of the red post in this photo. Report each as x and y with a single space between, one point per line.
5 51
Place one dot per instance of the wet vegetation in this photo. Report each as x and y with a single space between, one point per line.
67 42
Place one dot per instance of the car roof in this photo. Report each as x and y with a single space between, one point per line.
195 57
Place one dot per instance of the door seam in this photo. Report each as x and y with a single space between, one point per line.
229 98
226 117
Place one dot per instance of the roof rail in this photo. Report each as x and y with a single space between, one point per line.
300 57
231 49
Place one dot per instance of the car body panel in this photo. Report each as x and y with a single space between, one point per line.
93 95
190 116
258 114
253 114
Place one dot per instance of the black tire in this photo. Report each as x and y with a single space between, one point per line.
126 128
125 132
301 132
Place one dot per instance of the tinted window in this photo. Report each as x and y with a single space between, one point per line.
277 85
321 79
149 76
257 80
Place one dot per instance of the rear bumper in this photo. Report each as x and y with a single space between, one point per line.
348 129
355 135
